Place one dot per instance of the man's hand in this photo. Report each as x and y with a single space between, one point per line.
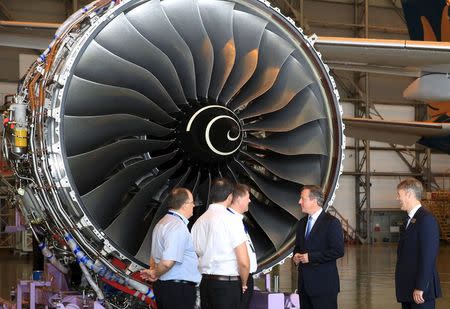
418 297
304 258
301 258
149 275
243 262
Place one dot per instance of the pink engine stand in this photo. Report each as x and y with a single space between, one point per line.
28 286
44 292
273 300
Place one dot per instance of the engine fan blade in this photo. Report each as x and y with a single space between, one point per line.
185 17
307 139
202 193
248 30
263 244
214 13
144 250
303 169
291 80
274 51
145 55
112 191
88 173
275 224
151 21
282 193
194 185
176 183
113 70
233 175
87 98
84 134
304 108
133 214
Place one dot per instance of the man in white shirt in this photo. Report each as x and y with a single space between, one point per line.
239 206
221 245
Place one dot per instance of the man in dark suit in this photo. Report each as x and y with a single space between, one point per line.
416 279
319 243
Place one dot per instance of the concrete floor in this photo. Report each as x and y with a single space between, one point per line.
366 272
367 277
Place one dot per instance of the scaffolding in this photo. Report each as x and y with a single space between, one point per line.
7 218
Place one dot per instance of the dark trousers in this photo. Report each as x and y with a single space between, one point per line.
426 305
247 296
215 294
171 295
318 302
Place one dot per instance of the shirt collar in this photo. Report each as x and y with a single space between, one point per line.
231 210
413 211
186 221
316 215
217 206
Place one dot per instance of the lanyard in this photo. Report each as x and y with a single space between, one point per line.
176 215
249 240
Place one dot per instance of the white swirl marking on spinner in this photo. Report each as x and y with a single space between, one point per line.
232 138
208 140
188 127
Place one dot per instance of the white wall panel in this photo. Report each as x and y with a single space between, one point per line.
348 109
388 87
440 163
25 61
345 199
386 161
349 162
384 192
396 112
5 89
349 141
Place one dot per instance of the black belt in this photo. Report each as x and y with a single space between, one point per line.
181 281
221 278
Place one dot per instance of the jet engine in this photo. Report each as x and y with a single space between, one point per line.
135 98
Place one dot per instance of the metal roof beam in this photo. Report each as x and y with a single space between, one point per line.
4 11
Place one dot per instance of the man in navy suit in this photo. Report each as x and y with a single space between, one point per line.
416 279
319 243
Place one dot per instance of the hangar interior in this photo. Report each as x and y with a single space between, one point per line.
365 201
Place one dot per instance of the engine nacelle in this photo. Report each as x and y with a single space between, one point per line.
132 100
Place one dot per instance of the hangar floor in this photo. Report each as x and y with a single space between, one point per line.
367 276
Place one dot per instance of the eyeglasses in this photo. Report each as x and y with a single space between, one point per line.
190 202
